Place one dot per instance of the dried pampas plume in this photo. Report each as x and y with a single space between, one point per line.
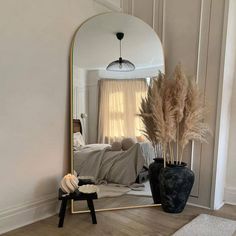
152 115
173 113
193 126
180 92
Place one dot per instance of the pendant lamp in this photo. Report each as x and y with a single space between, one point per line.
120 65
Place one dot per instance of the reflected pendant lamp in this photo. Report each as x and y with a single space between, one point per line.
120 65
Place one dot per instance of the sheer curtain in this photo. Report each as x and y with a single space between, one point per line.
119 104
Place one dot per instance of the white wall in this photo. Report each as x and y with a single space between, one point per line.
79 94
224 102
80 98
230 188
34 103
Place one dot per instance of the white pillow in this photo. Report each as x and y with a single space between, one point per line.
78 140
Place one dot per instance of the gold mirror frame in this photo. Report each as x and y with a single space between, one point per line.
71 130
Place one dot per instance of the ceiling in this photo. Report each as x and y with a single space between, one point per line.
96 45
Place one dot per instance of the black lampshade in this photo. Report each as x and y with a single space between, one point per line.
120 65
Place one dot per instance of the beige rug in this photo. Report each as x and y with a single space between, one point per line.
208 225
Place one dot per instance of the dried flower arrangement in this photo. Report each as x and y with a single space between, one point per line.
173 115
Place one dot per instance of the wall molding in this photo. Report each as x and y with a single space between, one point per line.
110 5
200 69
230 195
28 212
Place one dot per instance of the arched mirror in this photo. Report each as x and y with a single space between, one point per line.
108 147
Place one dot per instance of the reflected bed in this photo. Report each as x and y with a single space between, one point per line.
106 166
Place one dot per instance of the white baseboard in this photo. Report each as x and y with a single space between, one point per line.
27 213
230 195
196 205
218 206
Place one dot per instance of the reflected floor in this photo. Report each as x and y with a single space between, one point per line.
115 202
130 198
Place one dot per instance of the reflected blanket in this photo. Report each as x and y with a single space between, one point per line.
107 166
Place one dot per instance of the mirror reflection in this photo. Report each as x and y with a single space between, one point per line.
109 148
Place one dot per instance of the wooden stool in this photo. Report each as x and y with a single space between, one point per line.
76 196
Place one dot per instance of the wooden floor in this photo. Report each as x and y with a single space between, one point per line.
133 222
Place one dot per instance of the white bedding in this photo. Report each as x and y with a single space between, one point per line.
120 167
148 153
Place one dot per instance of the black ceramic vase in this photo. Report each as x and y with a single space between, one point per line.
176 182
154 171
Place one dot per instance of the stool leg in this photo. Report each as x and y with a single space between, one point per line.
92 211
62 212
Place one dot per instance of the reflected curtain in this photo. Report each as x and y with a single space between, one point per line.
119 102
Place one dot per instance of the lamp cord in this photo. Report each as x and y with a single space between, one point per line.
120 48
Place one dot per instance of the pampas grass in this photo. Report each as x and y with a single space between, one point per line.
153 117
180 92
173 115
193 126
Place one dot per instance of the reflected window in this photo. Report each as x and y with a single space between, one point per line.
118 108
